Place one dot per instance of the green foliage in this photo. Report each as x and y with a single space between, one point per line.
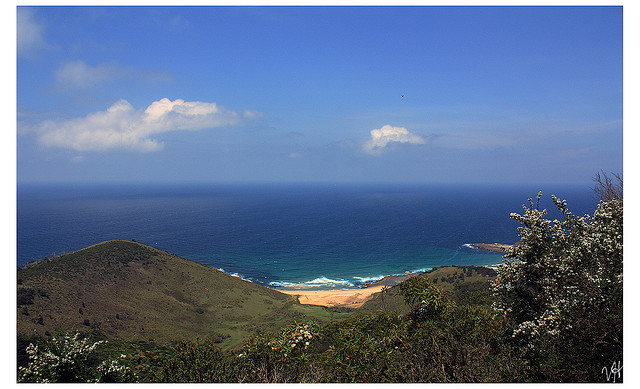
438 341
194 362
427 301
561 291
465 345
450 343
367 348
463 284
455 342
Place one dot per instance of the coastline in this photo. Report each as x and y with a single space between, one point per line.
493 247
350 298
355 297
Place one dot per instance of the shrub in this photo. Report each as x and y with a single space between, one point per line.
449 342
25 296
438 341
425 299
285 356
66 359
368 348
561 291
194 362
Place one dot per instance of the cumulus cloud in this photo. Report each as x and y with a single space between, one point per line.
30 32
381 138
123 127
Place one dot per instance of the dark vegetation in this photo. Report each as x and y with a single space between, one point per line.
551 313
463 284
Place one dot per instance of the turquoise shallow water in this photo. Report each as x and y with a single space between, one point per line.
318 236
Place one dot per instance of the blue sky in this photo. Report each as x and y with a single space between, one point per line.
385 94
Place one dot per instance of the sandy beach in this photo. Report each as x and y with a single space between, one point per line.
352 298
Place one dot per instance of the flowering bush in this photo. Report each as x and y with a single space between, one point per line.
115 370
66 359
560 288
281 357
293 338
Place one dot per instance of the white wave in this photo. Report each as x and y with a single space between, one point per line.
470 246
369 279
423 269
237 275
320 282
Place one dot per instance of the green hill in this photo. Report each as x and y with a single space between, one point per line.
464 284
132 292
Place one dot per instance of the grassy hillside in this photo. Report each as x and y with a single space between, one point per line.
126 290
464 284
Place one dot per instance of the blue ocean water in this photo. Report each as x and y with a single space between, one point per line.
286 235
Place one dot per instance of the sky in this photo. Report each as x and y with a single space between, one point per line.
319 94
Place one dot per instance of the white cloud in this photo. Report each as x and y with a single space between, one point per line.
30 33
79 75
123 127
381 138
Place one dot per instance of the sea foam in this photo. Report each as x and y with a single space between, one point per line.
320 282
237 275
369 279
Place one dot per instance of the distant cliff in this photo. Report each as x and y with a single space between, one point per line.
495 247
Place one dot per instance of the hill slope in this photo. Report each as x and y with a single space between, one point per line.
126 290
464 284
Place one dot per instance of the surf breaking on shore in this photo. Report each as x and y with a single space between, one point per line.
356 283
354 298
330 292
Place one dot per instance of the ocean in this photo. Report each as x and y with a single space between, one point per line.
320 236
